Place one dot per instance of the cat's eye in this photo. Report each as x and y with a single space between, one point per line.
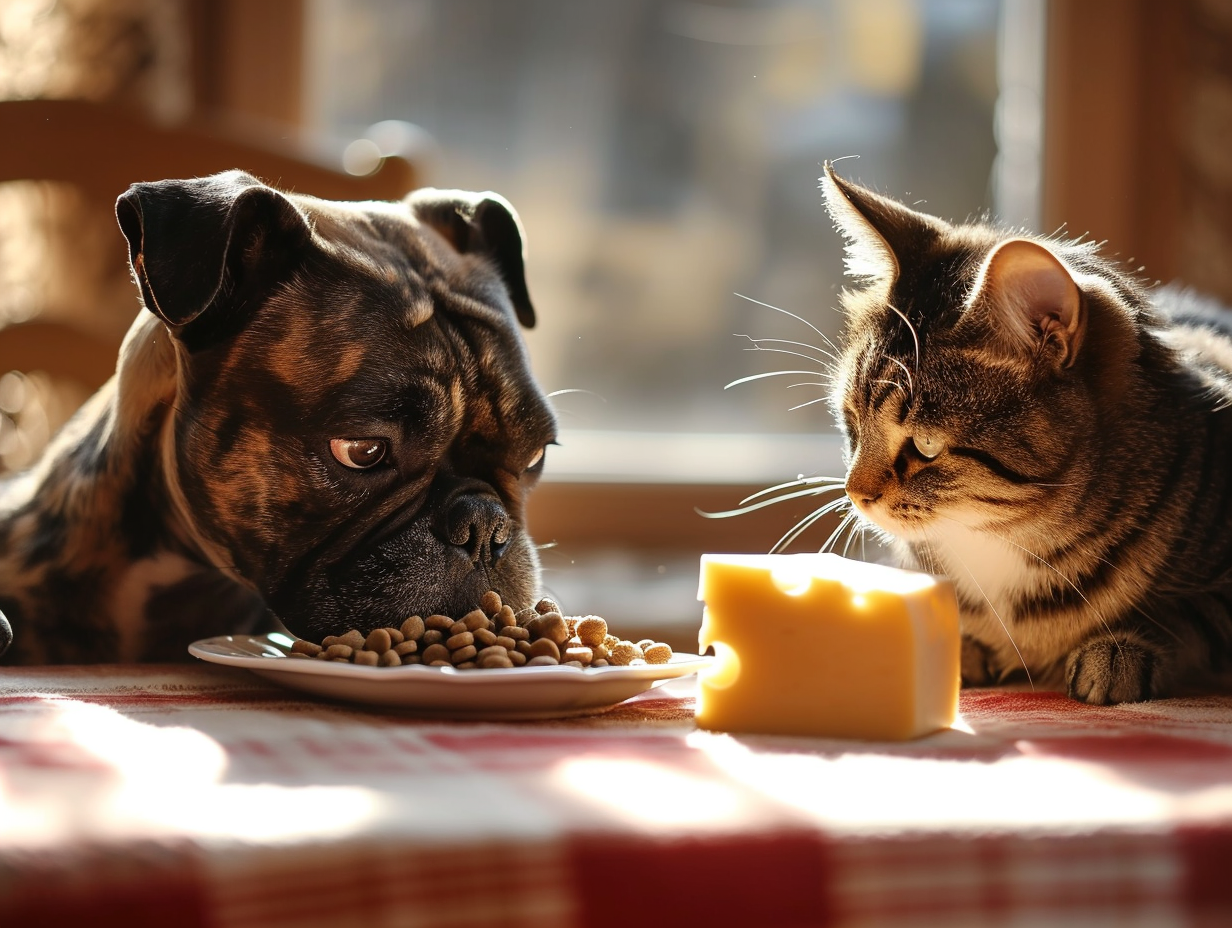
359 453
928 446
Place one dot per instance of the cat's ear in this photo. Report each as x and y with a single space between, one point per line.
879 231
1031 301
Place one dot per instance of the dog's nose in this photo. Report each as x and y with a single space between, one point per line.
478 525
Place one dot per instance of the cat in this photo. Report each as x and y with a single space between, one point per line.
1027 418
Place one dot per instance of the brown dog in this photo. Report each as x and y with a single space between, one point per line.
324 413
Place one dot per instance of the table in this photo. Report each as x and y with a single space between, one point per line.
201 795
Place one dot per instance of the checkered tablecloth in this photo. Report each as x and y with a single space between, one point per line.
203 796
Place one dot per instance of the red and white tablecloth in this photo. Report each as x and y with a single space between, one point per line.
204 796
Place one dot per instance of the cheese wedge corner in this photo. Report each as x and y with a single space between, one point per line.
821 645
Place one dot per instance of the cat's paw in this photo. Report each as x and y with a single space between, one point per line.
975 663
1110 670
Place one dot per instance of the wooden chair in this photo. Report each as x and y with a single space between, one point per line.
103 148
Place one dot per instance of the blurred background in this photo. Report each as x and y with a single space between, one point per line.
664 156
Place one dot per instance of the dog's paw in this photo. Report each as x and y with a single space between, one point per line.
1110 670
975 662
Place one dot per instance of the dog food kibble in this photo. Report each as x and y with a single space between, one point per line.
625 652
439 622
544 647
591 630
551 625
413 628
476 619
378 640
489 637
580 654
490 602
657 653
435 652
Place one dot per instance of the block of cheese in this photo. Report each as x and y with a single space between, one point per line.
817 644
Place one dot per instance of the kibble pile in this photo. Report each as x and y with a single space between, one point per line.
489 637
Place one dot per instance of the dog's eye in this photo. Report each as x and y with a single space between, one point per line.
359 453
536 463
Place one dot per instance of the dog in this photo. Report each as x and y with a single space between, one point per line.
323 416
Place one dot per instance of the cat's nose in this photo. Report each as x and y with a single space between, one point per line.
867 477
862 500
862 490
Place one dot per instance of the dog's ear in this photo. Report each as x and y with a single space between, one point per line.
207 251
481 223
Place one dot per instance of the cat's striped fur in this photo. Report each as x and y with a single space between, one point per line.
1027 418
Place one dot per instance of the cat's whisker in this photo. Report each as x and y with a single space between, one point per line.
856 529
762 376
824 398
757 342
820 399
805 524
794 354
727 514
897 385
910 380
556 393
820 334
820 484
834 536
915 337
832 506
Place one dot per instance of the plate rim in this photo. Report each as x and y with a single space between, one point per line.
681 664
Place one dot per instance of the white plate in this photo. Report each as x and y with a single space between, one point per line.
443 692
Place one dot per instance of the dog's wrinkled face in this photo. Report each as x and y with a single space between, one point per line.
356 425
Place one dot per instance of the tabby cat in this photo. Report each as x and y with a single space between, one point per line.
1025 417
